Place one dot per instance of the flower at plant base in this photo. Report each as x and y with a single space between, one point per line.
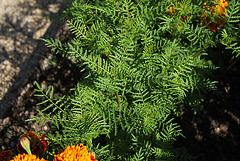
218 9
6 155
27 157
73 153
38 143
92 155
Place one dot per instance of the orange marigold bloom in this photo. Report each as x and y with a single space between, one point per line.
38 143
73 153
219 8
6 155
172 10
27 157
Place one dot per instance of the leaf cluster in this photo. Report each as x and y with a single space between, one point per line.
139 67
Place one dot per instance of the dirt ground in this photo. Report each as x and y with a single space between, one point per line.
22 24
22 55
214 133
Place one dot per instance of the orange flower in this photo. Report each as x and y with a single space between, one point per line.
6 155
172 10
219 9
38 143
27 157
73 153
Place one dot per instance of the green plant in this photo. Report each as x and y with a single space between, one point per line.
139 67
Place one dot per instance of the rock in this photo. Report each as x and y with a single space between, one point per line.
224 127
5 123
45 128
217 130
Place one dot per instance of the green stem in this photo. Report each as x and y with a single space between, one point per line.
118 100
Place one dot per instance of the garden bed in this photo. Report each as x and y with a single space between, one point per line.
211 134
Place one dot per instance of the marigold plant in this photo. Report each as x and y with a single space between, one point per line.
27 157
220 10
38 143
138 68
72 153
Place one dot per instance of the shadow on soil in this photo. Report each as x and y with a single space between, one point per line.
214 133
19 104
28 66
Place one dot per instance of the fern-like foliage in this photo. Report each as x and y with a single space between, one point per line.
140 64
230 35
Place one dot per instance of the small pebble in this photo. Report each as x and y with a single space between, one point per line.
217 130
3 147
45 128
6 121
26 113
224 126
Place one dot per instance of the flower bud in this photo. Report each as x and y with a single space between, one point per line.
24 141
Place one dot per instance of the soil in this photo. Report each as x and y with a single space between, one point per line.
22 24
211 134
23 59
214 132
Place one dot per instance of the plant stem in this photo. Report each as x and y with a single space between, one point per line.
205 48
118 100
230 66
